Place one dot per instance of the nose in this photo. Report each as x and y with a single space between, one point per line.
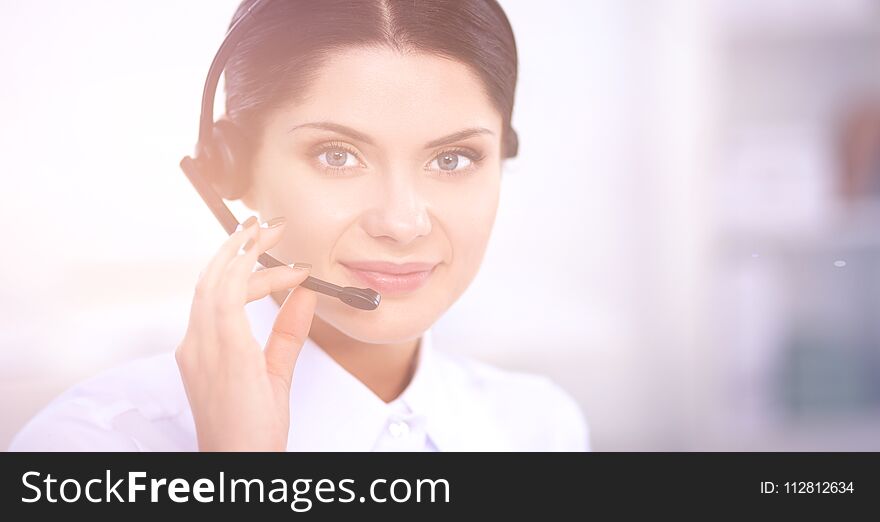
400 214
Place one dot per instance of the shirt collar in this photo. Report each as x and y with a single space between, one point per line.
331 410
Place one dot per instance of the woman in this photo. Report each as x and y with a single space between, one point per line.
377 129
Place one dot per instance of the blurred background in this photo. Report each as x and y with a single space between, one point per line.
700 181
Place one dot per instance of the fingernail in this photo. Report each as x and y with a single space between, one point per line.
301 266
249 222
274 222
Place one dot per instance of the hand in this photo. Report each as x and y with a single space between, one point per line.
239 393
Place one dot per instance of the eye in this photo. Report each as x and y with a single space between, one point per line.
337 158
450 161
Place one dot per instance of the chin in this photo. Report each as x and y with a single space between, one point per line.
394 321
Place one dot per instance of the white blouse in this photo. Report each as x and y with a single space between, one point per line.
452 403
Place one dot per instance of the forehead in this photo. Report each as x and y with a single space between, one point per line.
394 95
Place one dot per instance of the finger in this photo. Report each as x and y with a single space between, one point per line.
226 253
202 311
229 296
289 332
231 291
238 272
273 279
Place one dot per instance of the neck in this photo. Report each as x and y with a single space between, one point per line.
386 369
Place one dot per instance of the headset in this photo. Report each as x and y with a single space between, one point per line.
218 151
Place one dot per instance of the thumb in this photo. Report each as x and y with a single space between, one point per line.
289 332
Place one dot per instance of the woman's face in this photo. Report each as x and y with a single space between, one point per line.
389 158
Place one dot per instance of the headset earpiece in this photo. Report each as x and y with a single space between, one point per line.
224 161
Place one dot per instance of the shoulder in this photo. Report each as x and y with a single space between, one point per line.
535 411
127 408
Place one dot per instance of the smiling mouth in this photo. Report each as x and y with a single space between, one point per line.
391 279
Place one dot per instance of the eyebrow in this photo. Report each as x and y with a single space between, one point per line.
360 136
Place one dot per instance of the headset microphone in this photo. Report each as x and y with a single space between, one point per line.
217 151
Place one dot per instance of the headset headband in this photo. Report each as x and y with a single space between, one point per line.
233 36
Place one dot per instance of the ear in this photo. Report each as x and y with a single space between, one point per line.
510 146
228 161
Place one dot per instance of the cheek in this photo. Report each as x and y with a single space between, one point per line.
469 220
309 235
315 223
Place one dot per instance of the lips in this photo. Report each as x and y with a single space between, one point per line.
390 278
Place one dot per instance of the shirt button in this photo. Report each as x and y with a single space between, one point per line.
398 429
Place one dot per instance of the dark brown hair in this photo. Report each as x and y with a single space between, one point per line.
289 39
